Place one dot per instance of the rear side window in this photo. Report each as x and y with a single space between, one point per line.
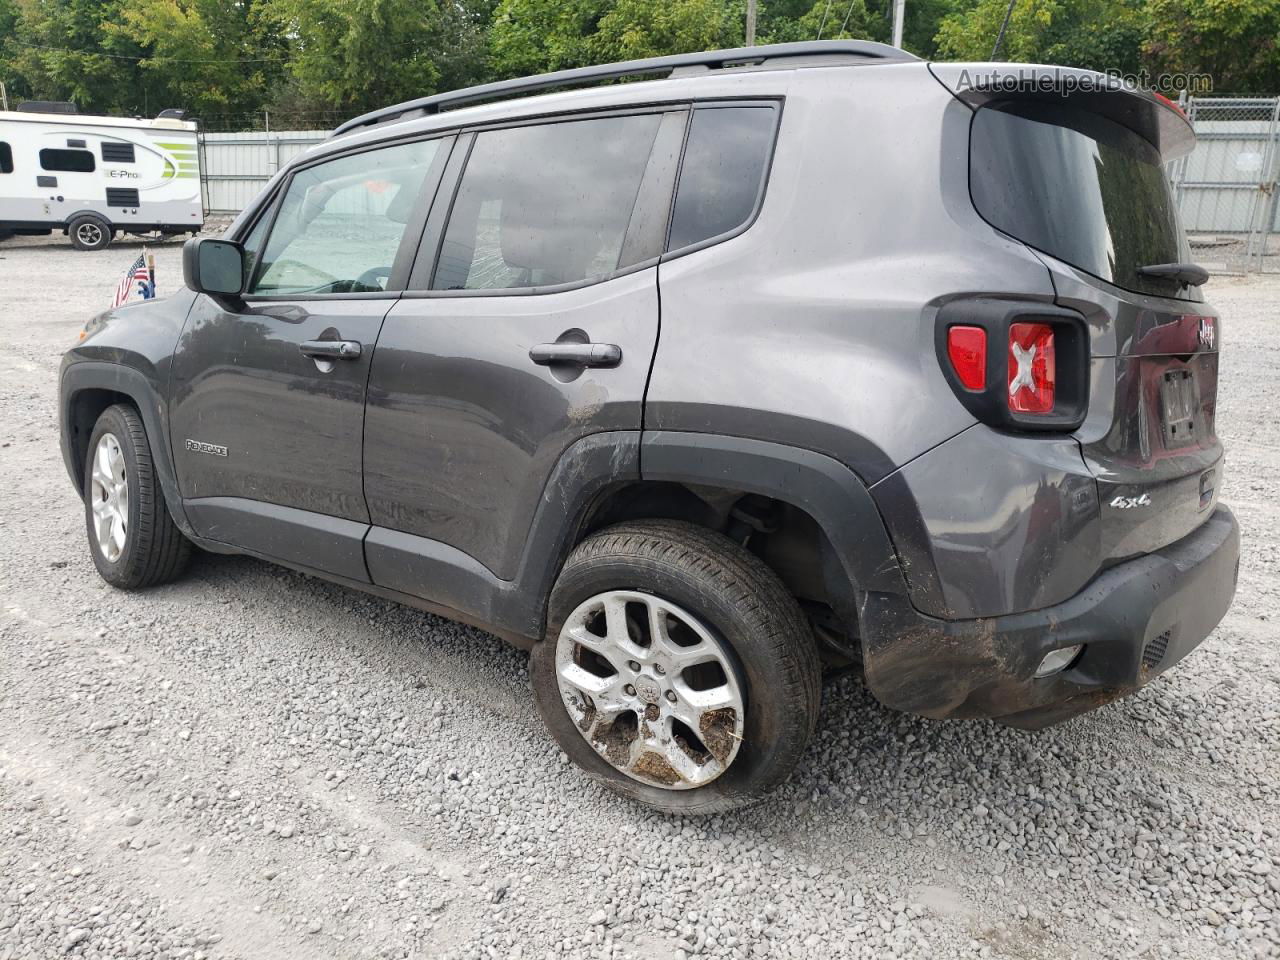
547 204
6 158
341 222
725 163
1077 186
66 161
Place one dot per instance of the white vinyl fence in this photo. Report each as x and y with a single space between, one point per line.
234 166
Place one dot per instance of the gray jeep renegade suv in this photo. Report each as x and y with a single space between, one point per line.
790 355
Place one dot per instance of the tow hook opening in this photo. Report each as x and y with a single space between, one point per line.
1055 661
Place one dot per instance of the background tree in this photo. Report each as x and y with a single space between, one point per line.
313 62
60 51
208 56
360 54
1236 42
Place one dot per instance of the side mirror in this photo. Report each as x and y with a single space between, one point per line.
215 267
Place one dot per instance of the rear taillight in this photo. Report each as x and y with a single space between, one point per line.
1032 368
967 350
1015 364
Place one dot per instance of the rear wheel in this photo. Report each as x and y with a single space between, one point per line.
676 668
89 232
133 540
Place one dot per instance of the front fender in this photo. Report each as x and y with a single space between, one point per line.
146 393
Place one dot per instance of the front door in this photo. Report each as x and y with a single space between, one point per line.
535 327
268 392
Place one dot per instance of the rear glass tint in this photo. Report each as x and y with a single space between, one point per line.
724 167
1079 187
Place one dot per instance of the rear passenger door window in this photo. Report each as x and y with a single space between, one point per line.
722 178
6 158
551 204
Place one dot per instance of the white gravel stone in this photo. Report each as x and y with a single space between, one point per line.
428 814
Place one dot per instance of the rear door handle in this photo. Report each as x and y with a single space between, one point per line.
578 354
330 349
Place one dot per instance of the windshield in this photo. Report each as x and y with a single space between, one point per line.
1079 187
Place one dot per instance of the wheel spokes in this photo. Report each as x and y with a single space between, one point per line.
652 690
109 497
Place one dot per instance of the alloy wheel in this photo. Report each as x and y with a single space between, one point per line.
651 688
109 493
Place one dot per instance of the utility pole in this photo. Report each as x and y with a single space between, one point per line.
751 23
899 11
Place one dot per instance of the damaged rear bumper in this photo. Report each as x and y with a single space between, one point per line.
1135 619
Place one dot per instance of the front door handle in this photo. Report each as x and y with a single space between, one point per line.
577 354
330 349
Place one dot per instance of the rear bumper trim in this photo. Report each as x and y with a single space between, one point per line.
1136 619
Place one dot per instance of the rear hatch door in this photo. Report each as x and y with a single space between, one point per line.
1076 170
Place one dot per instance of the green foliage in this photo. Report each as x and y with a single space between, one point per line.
533 36
300 59
1097 34
360 54
60 52
1236 42
208 56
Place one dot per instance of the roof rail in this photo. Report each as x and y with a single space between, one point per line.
711 60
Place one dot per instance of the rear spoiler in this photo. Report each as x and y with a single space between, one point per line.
1153 117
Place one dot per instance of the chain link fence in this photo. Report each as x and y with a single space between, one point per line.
1226 188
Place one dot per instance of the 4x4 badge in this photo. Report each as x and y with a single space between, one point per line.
199 446
1127 503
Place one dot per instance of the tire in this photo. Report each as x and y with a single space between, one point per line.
89 232
153 550
744 611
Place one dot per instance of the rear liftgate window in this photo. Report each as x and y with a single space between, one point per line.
1078 187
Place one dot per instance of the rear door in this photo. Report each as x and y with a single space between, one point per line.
268 393
1090 193
530 322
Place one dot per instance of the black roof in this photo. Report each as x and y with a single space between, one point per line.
818 51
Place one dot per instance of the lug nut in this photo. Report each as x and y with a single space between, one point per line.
629 690
657 668
671 695
633 666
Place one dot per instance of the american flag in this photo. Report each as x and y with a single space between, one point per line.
139 274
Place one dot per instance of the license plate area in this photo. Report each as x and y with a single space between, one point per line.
1178 405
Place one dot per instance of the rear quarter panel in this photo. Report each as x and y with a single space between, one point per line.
815 326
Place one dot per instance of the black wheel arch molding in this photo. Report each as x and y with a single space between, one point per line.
109 382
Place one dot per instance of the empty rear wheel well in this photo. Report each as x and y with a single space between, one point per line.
86 407
787 538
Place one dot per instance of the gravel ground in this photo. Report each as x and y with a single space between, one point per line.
256 764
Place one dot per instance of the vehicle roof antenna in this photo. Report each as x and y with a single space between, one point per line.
995 51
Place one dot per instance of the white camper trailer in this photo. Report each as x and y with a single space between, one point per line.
95 177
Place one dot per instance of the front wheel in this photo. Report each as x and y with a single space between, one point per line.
133 540
676 669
